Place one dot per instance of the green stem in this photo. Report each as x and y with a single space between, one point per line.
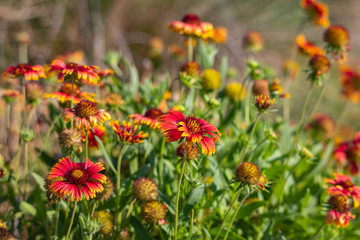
317 232
71 221
161 163
253 151
86 144
234 216
26 163
190 49
7 126
228 211
191 225
56 219
118 215
178 190
66 215
72 100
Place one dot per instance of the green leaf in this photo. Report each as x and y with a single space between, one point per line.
249 208
27 208
195 196
39 180
223 69
134 77
106 155
139 228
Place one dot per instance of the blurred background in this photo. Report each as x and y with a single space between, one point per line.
50 28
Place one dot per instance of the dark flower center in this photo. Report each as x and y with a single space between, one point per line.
153 113
86 109
77 176
193 125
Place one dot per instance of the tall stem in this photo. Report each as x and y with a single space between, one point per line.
161 163
228 211
317 232
178 190
242 153
86 144
190 49
7 127
118 215
72 100
71 221
56 219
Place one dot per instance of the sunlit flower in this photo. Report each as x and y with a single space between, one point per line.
261 87
337 36
98 131
219 35
210 79
75 179
342 185
350 82
106 221
154 212
349 153
85 114
291 69
28 71
308 48
145 189
10 96
192 26
192 151
176 126
33 92
235 91
322 124
263 102
249 173
73 71
150 118
127 132
317 11
70 140
339 214
253 41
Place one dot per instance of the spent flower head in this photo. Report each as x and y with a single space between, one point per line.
145 189
253 41
249 173
70 140
154 212
192 151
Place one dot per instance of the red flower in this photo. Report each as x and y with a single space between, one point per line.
176 126
75 179
127 132
29 72
150 118
349 152
342 185
338 218
98 131
318 12
87 74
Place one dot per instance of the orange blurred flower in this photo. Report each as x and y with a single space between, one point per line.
317 12
337 39
11 96
350 82
219 35
253 41
291 69
339 214
28 71
63 95
308 48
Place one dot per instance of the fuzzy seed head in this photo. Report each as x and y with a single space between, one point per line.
248 173
154 212
320 63
33 92
192 151
337 36
261 87
70 140
106 220
145 189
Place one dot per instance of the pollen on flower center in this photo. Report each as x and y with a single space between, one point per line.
86 109
153 113
77 176
77 173
193 125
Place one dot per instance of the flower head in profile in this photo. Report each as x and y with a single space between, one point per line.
261 87
10 96
319 66
85 114
191 68
348 153
154 212
192 151
75 179
63 95
150 118
308 48
191 25
175 126
262 103
127 132
73 71
342 185
253 41
350 82
29 72
249 173
317 12
337 39
33 92
96 131
339 213
235 91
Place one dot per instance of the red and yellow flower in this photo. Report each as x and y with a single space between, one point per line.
30 72
98 131
127 132
175 126
73 71
263 102
349 153
350 82
219 35
317 11
76 179
85 114
341 184
150 118
339 214
308 48
64 94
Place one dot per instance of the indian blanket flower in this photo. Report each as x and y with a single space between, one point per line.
317 12
63 95
175 126
192 26
337 39
85 114
29 72
322 124
308 48
191 68
75 56
210 79
263 102
145 189
150 118
348 153
97 131
73 71
342 184
154 212
76 179
127 132
339 214
350 82
219 35
235 91
253 41
192 151
249 173
10 96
